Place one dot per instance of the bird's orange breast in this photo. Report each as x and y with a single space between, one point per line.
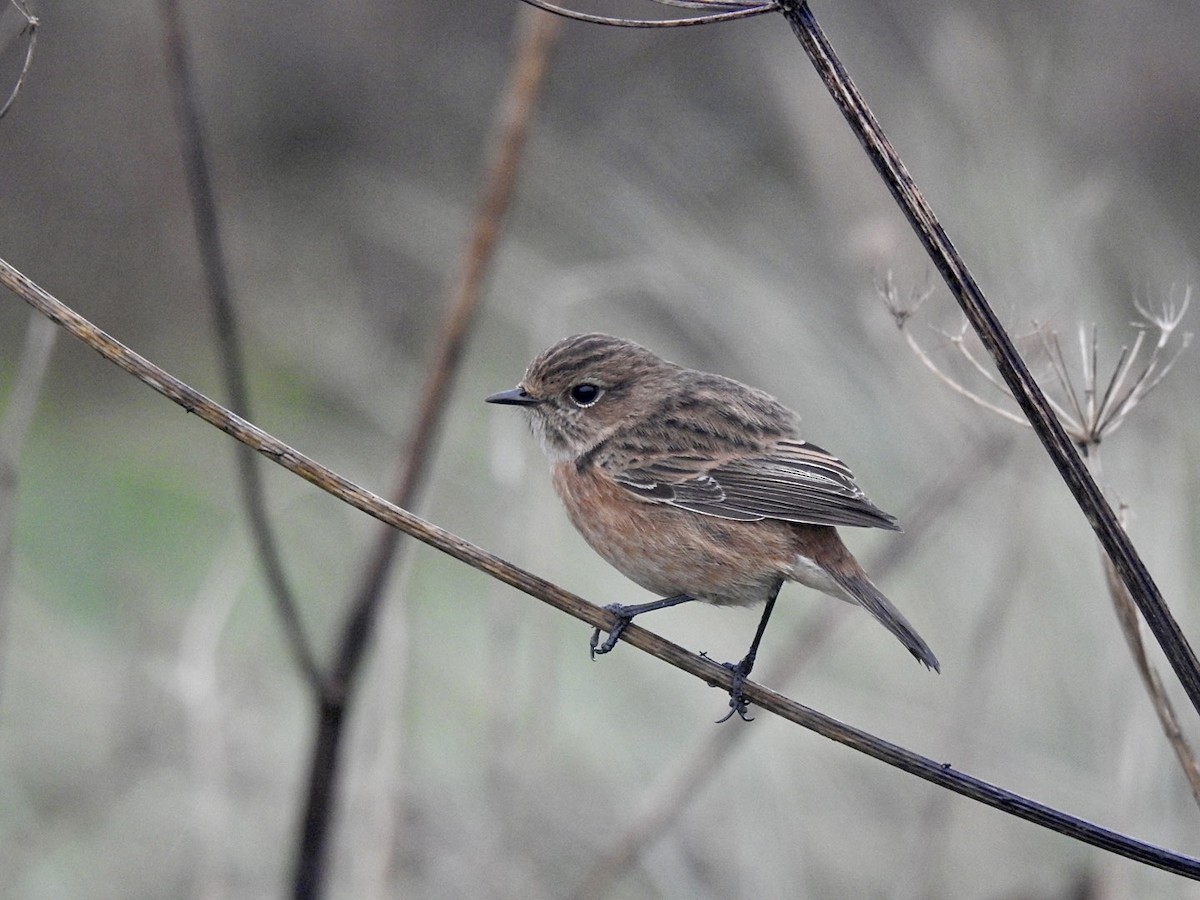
671 551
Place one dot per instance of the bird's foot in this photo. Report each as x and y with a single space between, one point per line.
737 702
624 617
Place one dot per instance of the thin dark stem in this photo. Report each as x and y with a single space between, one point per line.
1008 361
942 774
212 256
308 875
518 104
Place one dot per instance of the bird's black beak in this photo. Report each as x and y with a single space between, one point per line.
514 397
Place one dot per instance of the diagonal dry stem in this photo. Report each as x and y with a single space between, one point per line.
1163 708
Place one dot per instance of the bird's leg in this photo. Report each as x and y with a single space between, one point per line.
741 670
625 615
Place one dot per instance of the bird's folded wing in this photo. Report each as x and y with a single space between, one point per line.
794 481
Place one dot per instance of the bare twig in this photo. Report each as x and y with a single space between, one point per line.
1087 414
1099 422
960 343
1074 411
902 313
212 255
29 30
538 33
1117 405
711 4
1163 708
708 671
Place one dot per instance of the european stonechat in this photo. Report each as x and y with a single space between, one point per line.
696 486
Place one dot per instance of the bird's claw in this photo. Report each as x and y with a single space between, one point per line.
737 702
614 635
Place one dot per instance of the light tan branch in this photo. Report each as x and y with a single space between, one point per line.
1163 708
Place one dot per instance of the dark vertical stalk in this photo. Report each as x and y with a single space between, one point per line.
308 876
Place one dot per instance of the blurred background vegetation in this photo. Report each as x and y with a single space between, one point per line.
694 190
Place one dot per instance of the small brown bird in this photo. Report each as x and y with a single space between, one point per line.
696 486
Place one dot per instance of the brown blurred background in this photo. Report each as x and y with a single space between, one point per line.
697 191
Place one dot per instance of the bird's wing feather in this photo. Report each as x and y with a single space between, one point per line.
793 480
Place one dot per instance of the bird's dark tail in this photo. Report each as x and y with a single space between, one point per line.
858 586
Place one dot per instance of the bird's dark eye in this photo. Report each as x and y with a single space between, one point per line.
584 395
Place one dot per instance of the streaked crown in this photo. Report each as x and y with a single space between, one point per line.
584 387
